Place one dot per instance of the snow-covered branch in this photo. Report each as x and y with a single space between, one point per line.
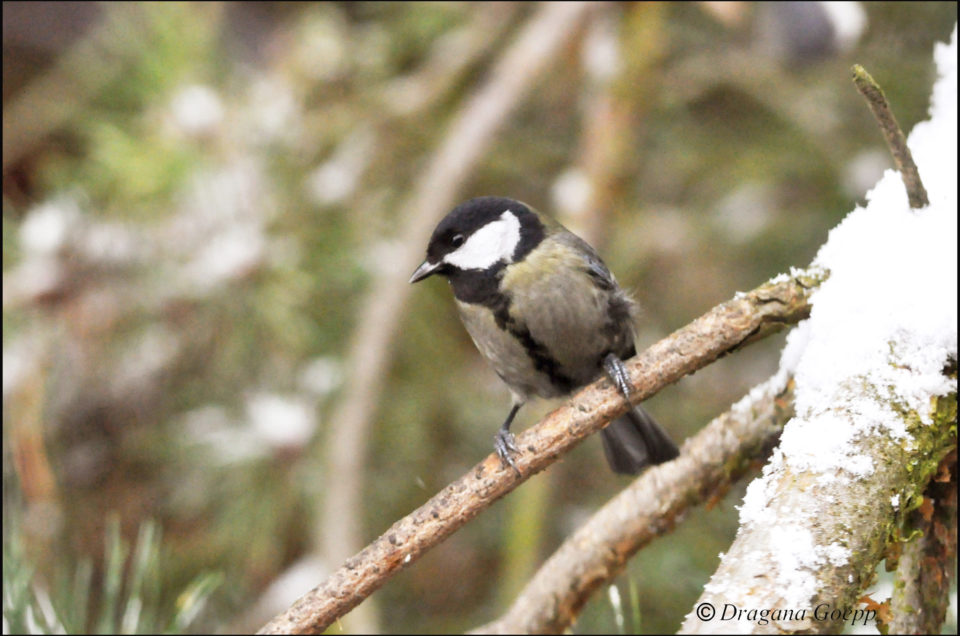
875 369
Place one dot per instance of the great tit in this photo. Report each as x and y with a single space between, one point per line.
546 312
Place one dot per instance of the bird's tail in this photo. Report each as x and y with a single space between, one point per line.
634 441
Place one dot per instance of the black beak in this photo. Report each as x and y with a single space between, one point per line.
426 269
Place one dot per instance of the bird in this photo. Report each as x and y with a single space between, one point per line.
546 313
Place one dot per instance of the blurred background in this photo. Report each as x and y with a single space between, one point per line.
217 384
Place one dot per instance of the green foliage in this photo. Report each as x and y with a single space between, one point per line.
128 592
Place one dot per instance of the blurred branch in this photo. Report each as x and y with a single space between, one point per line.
896 141
454 53
709 464
469 136
621 53
725 328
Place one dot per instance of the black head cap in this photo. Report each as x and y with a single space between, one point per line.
470 216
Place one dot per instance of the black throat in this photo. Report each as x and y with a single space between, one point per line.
477 286
482 286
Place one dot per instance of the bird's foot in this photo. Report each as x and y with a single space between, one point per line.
506 446
617 372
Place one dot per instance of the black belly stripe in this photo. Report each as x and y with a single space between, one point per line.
482 287
539 354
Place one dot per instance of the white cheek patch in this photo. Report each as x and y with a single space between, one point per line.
495 241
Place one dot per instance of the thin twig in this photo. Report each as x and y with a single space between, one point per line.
593 556
764 310
892 133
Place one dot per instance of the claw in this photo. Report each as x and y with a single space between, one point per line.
506 446
617 373
504 442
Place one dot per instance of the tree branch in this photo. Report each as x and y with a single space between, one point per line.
725 328
896 141
593 556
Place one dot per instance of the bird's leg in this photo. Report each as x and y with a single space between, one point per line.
617 372
504 442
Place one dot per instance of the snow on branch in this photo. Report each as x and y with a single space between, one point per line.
875 369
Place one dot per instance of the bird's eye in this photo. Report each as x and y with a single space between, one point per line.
457 240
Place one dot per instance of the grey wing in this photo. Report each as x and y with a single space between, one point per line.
594 265
621 309
600 273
